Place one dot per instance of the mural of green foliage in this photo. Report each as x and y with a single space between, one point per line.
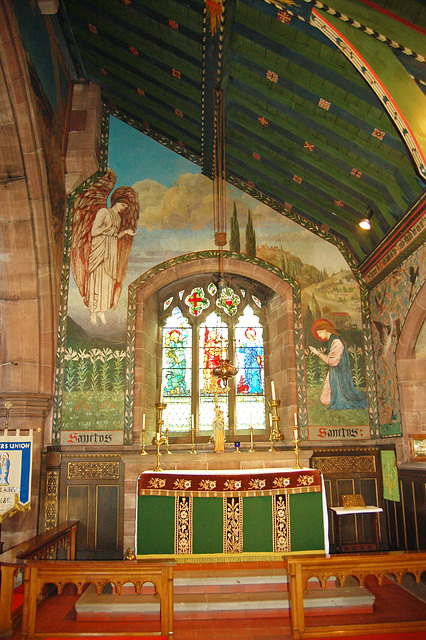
93 389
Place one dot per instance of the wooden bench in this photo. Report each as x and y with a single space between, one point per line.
360 566
14 560
99 573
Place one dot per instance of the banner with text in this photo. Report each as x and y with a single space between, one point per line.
15 473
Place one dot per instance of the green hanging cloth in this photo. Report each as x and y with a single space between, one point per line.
390 476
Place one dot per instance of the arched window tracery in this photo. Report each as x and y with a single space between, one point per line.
202 324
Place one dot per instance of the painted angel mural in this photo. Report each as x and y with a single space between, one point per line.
102 238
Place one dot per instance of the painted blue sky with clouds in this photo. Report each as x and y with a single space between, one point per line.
134 155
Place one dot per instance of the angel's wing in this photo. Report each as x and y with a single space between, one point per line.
86 207
129 220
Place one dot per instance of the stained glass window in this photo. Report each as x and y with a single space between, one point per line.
207 323
250 406
197 301
213 341
228 301
177 371
167 303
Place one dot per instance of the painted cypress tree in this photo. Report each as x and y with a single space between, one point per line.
283 260
250 237
234 242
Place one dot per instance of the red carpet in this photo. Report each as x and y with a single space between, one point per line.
114 637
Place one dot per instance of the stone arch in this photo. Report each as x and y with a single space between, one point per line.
28 313
280 344
412 371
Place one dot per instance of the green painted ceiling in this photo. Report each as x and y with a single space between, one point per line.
324 105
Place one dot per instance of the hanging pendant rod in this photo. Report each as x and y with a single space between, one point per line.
219 181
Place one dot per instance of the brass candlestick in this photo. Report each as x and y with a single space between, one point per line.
143 452
167 442
251 450
160 406
277 435
271 435
159 440
193 440
296 441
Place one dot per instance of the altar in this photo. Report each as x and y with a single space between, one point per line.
254 512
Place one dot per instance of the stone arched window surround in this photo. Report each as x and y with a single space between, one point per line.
284 341
412 371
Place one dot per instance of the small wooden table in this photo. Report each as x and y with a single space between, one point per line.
338 512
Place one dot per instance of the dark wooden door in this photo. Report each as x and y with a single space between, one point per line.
92 492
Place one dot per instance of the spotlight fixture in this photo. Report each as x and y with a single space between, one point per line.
365 222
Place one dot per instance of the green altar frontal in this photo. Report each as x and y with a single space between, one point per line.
253 512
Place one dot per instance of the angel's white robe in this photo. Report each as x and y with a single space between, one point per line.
102 271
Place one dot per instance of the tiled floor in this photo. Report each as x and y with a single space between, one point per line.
57 614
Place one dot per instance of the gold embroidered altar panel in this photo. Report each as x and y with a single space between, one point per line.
253 482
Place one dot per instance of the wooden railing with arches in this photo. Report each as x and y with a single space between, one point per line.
359 566
99 573
13 562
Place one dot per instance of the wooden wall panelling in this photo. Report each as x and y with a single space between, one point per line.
407 518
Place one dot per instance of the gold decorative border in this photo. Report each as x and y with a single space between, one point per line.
183 525
233 525
87 470
281 523
51 503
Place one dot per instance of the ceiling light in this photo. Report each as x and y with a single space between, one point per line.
365 222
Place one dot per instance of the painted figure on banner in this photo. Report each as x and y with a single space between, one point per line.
253 364
4 468
339 391
219 430
176 363
101 241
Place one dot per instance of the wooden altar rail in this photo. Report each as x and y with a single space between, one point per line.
342 566
99 573
14 560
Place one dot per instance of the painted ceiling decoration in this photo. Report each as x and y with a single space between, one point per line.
324 104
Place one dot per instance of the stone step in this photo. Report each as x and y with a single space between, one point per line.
213 594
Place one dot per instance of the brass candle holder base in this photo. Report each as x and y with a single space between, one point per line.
297 453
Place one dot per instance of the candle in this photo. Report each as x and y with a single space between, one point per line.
273 390
143 422
296 433
158 436
270 420
192 422
161 392
295 419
